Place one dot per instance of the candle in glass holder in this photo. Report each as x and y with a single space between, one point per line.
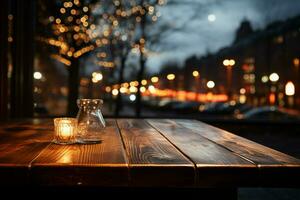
65 130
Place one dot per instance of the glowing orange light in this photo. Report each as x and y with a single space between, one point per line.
272 98
108 89
296 62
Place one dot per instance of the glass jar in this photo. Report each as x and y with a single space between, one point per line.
90 121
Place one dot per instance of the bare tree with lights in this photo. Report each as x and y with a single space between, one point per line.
122 28
145 15
122 33
74 35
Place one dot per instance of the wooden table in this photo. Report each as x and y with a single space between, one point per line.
145 153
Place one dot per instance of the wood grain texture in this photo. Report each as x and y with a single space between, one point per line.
142 153
102 164
257 153
274 168
216 165
20 143
153 160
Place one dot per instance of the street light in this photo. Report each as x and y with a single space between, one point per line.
274 77
210 84
195 73
154 79
211 17
171 77
229 63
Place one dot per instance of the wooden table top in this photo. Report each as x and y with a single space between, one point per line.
142 153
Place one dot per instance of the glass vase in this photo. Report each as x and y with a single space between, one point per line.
91 123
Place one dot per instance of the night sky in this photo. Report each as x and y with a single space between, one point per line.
199 26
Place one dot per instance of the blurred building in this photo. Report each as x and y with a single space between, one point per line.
255 55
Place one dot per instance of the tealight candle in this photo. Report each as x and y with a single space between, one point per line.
65 130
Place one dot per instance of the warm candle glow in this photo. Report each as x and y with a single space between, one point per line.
65 130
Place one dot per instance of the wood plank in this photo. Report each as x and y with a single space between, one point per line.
275 168
103 164
259 154
20 143
153 160
216 165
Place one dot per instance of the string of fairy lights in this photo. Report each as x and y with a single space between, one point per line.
79 27
73 31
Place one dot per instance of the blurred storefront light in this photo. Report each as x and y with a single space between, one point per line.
242 99
274 77
296 62
264 79
37 75
290 89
